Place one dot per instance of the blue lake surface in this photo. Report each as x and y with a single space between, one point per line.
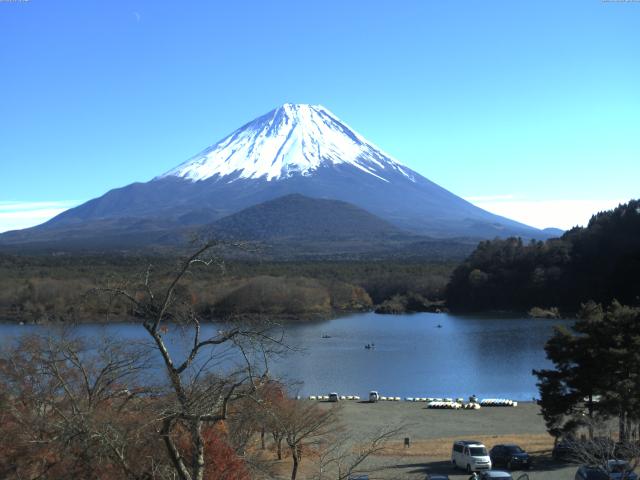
488 356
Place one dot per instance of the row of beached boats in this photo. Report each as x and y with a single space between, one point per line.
438 403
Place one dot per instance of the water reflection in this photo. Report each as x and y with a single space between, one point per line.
484 355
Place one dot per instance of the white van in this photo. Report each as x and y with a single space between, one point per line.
373 396
333 397
470 456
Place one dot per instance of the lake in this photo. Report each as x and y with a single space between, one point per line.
424 354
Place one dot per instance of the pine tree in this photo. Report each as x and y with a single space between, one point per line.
597 371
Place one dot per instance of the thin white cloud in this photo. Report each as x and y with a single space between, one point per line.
564 213
18 206
19 215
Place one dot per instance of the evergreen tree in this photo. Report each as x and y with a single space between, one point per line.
600 261
597 371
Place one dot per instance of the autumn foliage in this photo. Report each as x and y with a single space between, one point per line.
222 462
64 413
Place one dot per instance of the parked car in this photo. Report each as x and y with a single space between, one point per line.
590 473
620 470
495 474
437 476
613 470
563 450
510 456
570 449
470 455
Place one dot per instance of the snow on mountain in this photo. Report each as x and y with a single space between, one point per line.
294 139
293 150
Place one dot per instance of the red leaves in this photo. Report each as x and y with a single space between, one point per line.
222 463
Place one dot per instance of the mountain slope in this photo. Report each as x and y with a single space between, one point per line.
299 227
294 149
299 218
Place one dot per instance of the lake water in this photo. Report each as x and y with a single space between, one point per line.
483 355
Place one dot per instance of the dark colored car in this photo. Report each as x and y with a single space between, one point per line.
563 450
620 470
437 476
510 456
571 449
495 475
614 470
590 473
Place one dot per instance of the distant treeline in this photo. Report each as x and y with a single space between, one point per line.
63 288
600 262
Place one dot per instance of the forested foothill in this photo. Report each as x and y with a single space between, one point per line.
57 288
599 262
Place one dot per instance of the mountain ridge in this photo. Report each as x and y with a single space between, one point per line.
294 149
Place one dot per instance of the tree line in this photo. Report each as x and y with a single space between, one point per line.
35 289
598 262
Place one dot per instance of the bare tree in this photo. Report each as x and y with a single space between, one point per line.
216 370
602 452
249 420
274 407
66 411
341 456
302 425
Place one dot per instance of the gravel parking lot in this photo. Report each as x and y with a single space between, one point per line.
432 432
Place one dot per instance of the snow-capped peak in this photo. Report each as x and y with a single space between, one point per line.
294 139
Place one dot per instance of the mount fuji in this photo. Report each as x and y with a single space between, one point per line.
293 149
288 141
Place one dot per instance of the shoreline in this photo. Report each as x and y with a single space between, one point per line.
286 319
251 318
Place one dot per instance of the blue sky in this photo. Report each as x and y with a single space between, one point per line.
530 109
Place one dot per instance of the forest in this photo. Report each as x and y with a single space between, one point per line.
61 288
599 262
